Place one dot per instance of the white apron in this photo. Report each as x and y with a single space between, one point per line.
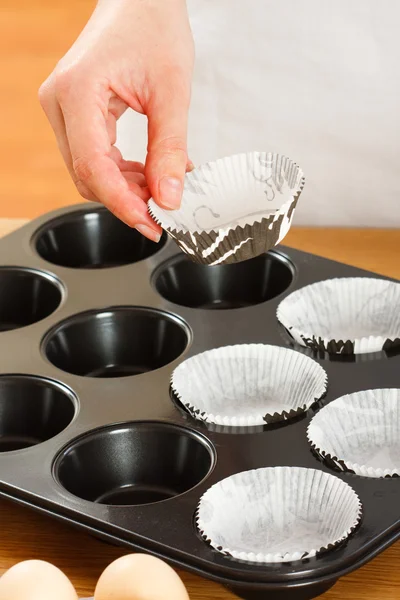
317 80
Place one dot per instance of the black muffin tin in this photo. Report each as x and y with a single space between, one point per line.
94 319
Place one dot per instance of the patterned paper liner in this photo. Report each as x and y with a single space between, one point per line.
278 514
353 315
248 384
235 208
360 433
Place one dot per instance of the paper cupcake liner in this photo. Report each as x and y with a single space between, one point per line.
235 208
353 315
278 514
360 433
248 384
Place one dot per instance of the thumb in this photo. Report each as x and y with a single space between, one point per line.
167 158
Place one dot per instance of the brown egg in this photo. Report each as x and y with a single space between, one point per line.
36 580
140 577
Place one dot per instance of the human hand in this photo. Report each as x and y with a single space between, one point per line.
132 54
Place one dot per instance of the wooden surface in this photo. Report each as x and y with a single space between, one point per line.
34 35
25 535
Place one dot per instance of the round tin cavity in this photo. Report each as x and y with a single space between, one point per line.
248 283
32 410
26 297
116 342
92 239
134 463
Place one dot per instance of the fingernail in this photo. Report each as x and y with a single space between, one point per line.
148 232
189 167
170 192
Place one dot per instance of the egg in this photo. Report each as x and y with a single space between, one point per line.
140 577
36 580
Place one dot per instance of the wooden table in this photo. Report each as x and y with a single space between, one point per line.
25 535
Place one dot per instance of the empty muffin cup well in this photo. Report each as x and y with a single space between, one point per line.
32 410
92 239
116 342
134 463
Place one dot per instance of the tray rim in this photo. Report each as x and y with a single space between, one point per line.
29 232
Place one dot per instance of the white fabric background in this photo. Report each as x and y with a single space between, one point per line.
317 80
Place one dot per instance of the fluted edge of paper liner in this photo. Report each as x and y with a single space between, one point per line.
304 366
349 346
336 461
236 243
240 244
268 558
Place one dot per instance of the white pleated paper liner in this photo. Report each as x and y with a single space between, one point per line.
248 384
235 208
353 315
278 514
360 433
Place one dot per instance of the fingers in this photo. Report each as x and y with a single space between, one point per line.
167 148
136 178
84 128
98 169
130 165
132 171
99 172
55 116
93 163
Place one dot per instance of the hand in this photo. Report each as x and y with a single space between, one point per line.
132 54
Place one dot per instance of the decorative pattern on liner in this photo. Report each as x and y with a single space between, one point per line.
240 244
211 225
318 315
360 433
278 514
243 380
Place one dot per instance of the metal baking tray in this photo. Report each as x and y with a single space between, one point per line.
93 320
